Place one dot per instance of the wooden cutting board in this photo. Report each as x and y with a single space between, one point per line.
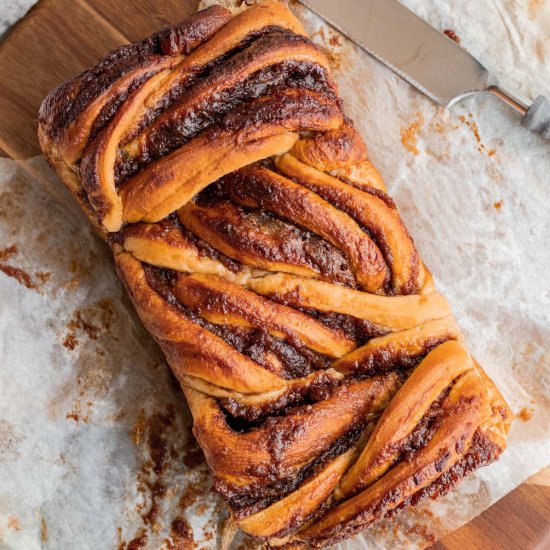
58 39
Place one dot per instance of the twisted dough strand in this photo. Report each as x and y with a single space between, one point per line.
328 381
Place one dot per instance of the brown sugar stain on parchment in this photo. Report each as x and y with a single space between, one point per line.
108 368
472 125
168 451
33 282
90 321
87 326
410 133
330 43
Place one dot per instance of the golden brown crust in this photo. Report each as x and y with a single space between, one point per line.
71 110
390 312
257 187
241 459
265 242
333 150
372 212
327 378
225 303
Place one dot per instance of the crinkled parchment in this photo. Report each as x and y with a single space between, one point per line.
95 445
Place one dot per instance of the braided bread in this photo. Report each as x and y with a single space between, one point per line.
328 381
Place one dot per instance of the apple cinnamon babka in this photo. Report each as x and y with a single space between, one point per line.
328 381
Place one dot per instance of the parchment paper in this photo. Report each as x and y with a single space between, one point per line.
93 429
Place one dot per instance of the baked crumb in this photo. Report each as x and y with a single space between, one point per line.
472 125
452 35
7 253
43 530
409 135
14 523
525 414
20 275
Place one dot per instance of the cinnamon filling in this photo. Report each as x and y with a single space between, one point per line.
262 234
85 88
296 361
245 501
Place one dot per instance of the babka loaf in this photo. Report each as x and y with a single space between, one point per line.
328 381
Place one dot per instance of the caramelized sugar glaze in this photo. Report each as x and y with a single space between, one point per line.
328 381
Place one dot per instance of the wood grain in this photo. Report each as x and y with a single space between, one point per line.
140 18
60 38
57 40
521 520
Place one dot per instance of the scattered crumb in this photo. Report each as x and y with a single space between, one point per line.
43 276
498 204
153 431
452 35
43 530
70 341
409 134
14 523
525 414
92 382
329 42
78 415
335 40
7 253
472 125
136 543
91 321
164 507
80 323
181 535
72 416
18 274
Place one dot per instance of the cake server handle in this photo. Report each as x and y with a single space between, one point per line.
536 117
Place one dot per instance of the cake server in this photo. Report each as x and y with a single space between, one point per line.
423 56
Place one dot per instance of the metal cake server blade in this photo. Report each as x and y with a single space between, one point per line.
423 56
